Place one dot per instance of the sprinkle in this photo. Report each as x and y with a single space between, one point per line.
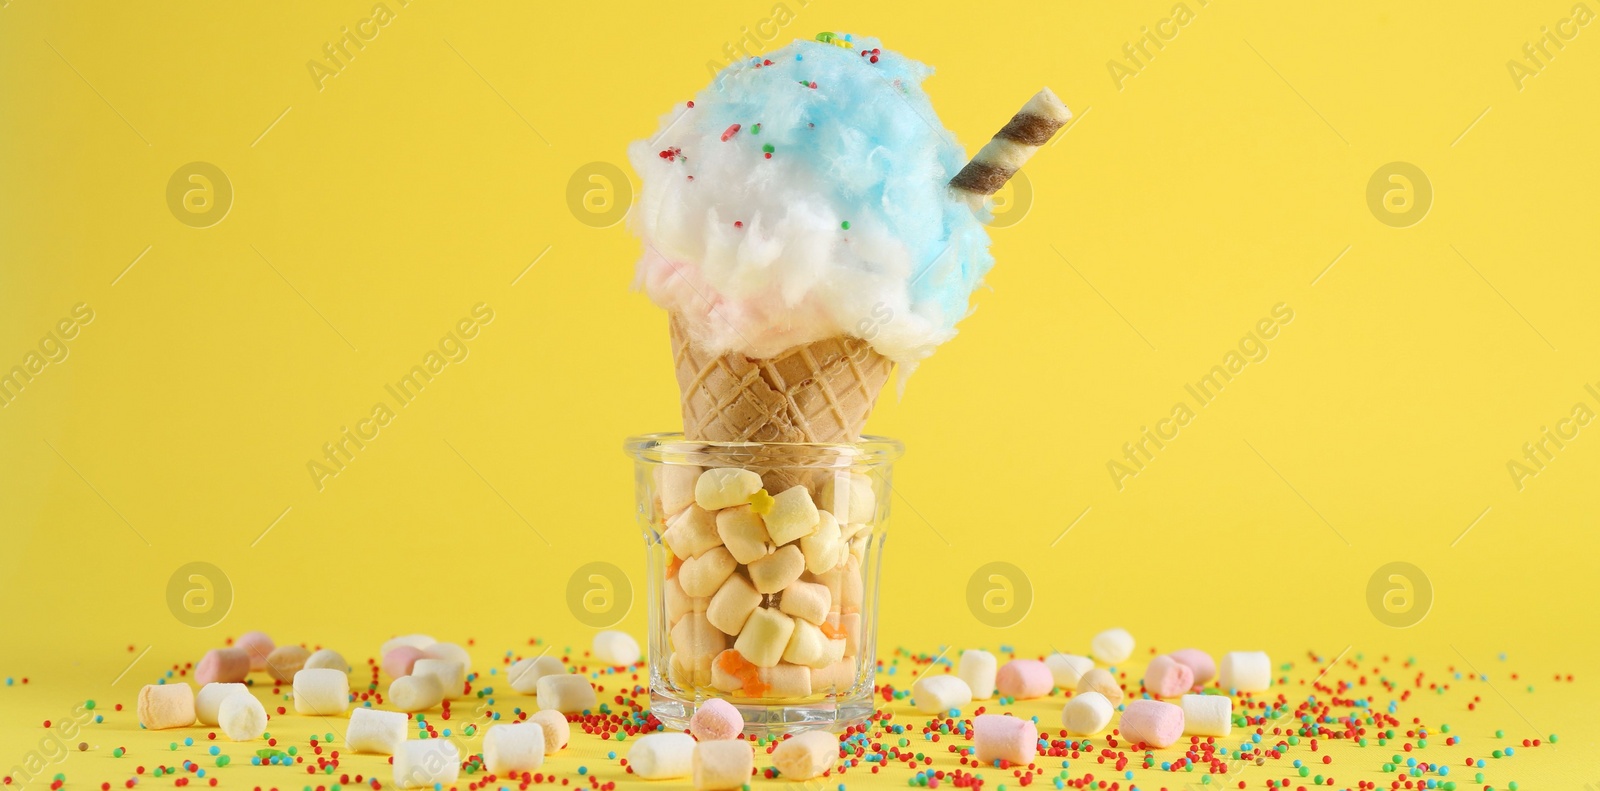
755 130
845 225
729 132
738 223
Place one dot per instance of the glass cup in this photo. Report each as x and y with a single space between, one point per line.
763 562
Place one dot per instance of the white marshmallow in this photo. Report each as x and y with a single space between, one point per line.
806 601
451 675
743 532
675 486
849 497
327 659
1068 669
692 533
850 624
1101 681
417 641
810 647
524 674
679 603
786 680
1112 646
732 605
452 652
695 640
725 487
722 765
793 515
837 677
938 694
851 586
825 547
415 692
374 731
1207 715
1086 714
321 691
978 668
425 763
210 697
806 755
765 637
662 756
242 717
703 575
557 731
517 747
568 693
616 649
778 570
1245 671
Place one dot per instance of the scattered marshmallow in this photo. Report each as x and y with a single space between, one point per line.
614 648
524 674
716 719
978 668
285 661
450 651
1086 714
1112 646
417 641
374 731
222 665
415 692
1002 737
210 697
1101 681
1024 678
258 645
1245 671
1207 715
743 532
321 691
806 755
328 659
425 763
849 497
725 487
793 515
1153 722
1166 677
242 718
451 675
774 572
703 575
1068 669
1198 662
166 706
938 694
662 756
516 747
722 765
557 731
568 693
401 660
765 637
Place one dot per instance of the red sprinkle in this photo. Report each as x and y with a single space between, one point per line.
730 132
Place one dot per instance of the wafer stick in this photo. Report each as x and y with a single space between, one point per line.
1005 153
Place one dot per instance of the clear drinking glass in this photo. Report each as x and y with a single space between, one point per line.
782 627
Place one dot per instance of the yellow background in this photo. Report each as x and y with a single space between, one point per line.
371 214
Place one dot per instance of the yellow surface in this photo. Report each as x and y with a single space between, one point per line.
373 209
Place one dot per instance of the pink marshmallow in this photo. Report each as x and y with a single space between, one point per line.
258 645
1003 737
227 665
1167 677
1200 662
399 661
1152 722
716 720
1025 678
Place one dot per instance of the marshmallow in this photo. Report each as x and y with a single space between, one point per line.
1153 722
703 575
786 680
321 691
557 731
695 641
1245 671
716 719
793 515
774 572
1002 737
285 661
1068 669
222 665
400 660
810 647
825 548
743 533
732 605
1112 646
722 765
938 694
978 668
327 659
679 603
374 731
1198 662
166 706
1101 681
210 697
417 641
731 672
1166 677
851 586
1206 715
258 645
849 497
1024 678
806 600
765 637
850 625
662 756
692 533
675 486
524 674
517 747
415 692
806 755
839 676
451 675
687 676
616 649
725 487
425 763
568 693
1086 714
242 718
452 652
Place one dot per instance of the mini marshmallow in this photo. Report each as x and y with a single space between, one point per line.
285 661
557 731
1245 671
517 747
774 572
810 647
166 706
450 651
662 756
825 548
716 719
1112 646
1198 662
692 533
679 603
321 691
806 755
725 487
415 692
374 731
938 694
242 718
978 668
568 693
326 659
1068 669
793 515
1166 677
400 660
765 637
451 675
850 624
688 676
1086 714
1206 715
839 676
786 680
1024 678
616 649
675 486
806 600
426 763
1153 722
210 697
222 665
1101 681
722 765
258 645
524 674
849 497
696 641
743 532
852 588
417 641
732 605
702 576
1002 737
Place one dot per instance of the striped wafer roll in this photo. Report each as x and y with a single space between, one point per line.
1031 127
